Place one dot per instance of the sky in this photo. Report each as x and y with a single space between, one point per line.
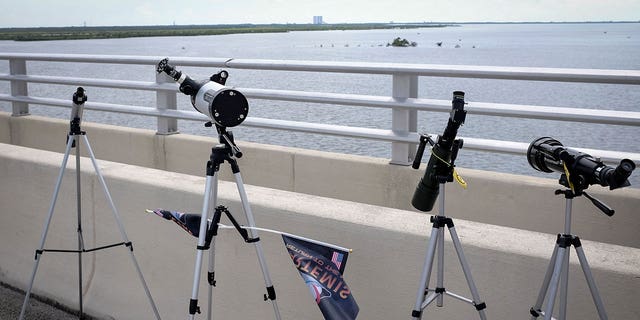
62 13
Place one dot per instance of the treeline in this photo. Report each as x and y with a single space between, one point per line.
72 33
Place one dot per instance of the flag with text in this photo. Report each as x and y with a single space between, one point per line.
321 268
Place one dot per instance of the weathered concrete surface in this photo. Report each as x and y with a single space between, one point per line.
389 244
11 302
493 198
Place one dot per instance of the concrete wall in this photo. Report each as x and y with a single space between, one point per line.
494 198
388 250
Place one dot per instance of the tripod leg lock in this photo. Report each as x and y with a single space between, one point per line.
252 240
271 294
193 306
211 278
480 306
534 313
576 242
416 314
567 240
441 221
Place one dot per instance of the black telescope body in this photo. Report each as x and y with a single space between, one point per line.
440 167
547 155
224 106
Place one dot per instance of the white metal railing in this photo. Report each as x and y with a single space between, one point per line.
403 102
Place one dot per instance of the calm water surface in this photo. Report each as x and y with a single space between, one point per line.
593 46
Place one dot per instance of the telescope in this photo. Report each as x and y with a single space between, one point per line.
77 108
226 107
579 170
443 154
79 98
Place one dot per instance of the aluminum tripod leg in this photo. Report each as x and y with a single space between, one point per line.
79 229
552 281
271 294
45 230
421 301
193 303
558 273
440 274
564 285
212 254
70 141
545 284
592 284
211 197
123 233
210 274
467 273
553 285
436 240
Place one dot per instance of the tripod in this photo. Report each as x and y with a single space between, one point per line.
442 172
225 151
558 270
426 296
73 141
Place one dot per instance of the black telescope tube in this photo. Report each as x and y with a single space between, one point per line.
547 155
439 167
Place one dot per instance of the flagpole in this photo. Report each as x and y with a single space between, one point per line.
280 233
290 235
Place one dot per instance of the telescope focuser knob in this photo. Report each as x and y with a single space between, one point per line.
220 77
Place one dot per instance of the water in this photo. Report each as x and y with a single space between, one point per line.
593 46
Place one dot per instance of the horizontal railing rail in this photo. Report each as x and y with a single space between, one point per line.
458 71
404 101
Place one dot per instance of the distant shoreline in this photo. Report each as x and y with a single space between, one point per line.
115 32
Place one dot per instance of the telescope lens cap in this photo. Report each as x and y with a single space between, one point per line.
229 108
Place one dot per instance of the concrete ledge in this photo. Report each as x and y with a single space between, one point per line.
389 246
508 200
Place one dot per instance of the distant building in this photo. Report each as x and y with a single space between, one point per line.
317 20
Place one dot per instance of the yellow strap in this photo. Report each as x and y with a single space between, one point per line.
566 171
459 179
456 175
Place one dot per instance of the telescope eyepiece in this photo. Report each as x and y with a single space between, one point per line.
617 178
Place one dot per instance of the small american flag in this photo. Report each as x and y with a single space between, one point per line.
336 258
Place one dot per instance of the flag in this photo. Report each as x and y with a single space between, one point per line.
321 268
188 221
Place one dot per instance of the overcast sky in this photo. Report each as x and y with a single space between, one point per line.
50 13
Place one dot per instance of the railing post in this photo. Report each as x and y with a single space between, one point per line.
166 100
404 120
18 87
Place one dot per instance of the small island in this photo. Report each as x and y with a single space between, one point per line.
401 42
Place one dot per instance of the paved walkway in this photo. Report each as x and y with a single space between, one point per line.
11 302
